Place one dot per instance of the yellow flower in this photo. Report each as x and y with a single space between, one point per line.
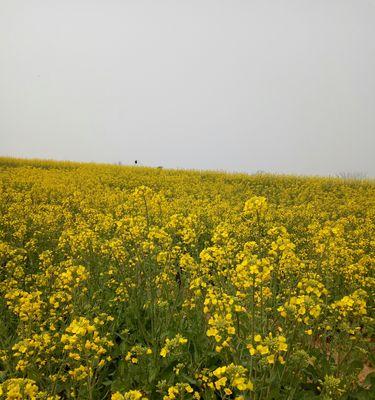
163 352
257 338
271 359
262 349
117 396
212 332
221 382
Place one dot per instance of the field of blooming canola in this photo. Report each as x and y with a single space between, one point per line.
139 283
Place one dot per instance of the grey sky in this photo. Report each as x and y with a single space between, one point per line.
281 86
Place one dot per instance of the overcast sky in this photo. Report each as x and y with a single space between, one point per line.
238 85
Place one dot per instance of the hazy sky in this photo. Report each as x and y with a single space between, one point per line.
281 86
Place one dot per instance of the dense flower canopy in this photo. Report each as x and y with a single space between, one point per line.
140 283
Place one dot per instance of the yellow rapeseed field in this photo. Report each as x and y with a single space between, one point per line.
139 283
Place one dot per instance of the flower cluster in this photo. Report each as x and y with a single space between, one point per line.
231 378
136 352
172 345
130 395
220 310
84 348
272 348
181 391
